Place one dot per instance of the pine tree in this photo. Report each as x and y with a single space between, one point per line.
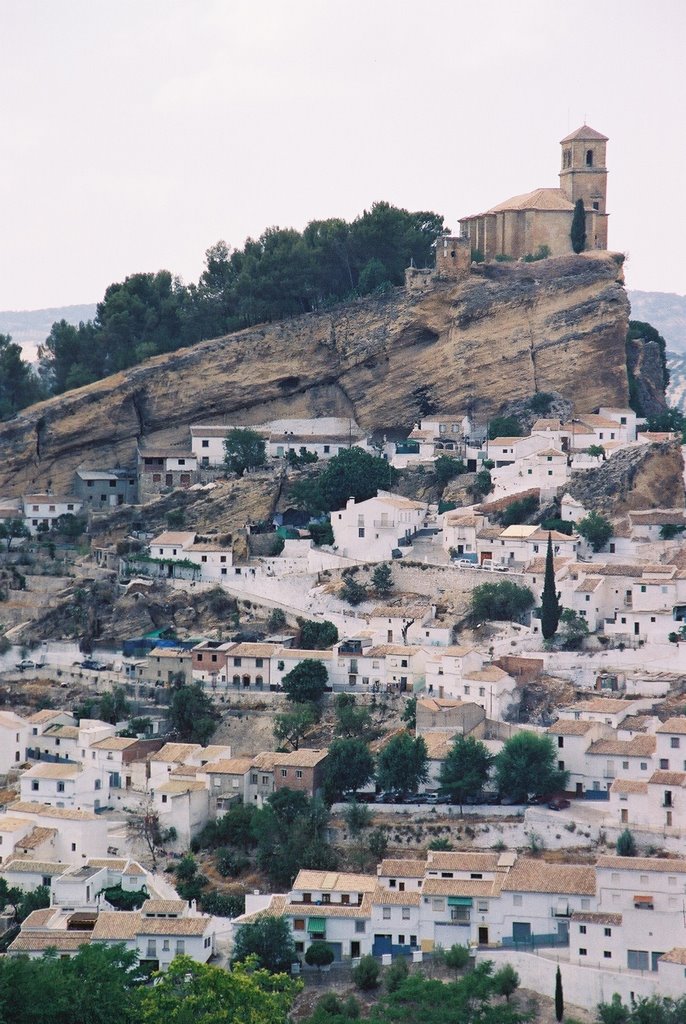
550 601
578 231
559 998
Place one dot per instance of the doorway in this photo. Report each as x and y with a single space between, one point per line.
483 936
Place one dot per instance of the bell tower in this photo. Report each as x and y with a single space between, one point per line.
583 175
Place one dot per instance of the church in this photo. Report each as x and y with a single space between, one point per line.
523 224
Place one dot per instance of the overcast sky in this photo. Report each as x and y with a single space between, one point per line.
136 133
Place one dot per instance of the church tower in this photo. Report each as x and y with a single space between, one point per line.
584 176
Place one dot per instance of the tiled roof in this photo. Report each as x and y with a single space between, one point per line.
551 199
301 758
604 705
674 725
53 771
228 766
38 918
8 824
329 909
637 746
175 787
395 898
177 752
662 864
629 786
537 876
46 715
67 813
276 908
439 704
675 956
113 743
173 925
36 837
22 866
589 585
393 868
65 732
461 886
38 942
585 132
490 674
252 650
164 907
180 539
383 650
116 925
596 917
456 860
438 744
333 881
409 611
665 778
563 727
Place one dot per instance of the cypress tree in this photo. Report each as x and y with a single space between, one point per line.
550 601
559 998
578 232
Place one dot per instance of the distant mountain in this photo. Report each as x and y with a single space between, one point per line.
666 312
30 327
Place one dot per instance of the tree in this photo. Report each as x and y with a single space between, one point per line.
357 817
366 974
291 726
396 974
551 608
596 450
317 636
503 601
321 533
189 991
19 386
596 529
626 844
290 833
351 720
319 955
504 426
382 579
245 449
71 527
614 1012
578 229
527 766
573 630
466 769
446 468
223 904
13 529
352 591
403 764
409 715
506 981
306 682
354 473
270 940
456 957
144 825
348 768
559 997
192 714
378 843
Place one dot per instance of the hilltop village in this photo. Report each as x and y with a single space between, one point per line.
403 690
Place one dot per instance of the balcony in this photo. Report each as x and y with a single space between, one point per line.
384 524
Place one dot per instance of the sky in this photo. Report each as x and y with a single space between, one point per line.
137 133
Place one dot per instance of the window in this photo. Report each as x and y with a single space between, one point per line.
608 932
585 904
582 952
152 948
391 883
482 906
34 787
360 927
674 742
298 924
386 913
164 798
401 940
476 874
438 903
644 766
284 773
560 741
73 847
664 763
607 954
204 443
165 945
561 766
253 778
637 959
589 158
406 914
596 204
517 900
625 765
298 773
582 929
236 662
360 531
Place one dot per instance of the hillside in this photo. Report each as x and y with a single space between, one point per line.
505 332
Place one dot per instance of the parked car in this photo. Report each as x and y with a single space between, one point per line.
500 568
465 563
558 803
27 663
91 663
487 565
396 553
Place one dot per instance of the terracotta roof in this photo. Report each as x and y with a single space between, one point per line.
333 881
172 537
563 727
252 650
228 766
658 517
65 732
383 650
116 925
46 715
588 585
596 917
36 837
32 867
439 704
173 925
662 864
675 956
43 770
675 725
37 942
536 876
628 786
456 860
301 758
637 746
113 743
175 787
490 674
38 918
68 813
454 651
664 778
164 907
585 132
438 744
393 897
462 886
393 868
177 752
552 199
387 611
603 705
329 909
8 824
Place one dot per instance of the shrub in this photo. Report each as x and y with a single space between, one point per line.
502 601
353 592
396 974
626 844
366 974
319 955
541 402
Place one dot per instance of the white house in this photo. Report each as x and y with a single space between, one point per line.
41 510
64 785
184 805
371 530
75 834
14 740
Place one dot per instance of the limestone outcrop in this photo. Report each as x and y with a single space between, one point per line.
503 333
633 480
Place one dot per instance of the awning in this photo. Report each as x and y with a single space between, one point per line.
316 925
644 899
460 901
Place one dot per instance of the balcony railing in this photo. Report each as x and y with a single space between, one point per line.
383 524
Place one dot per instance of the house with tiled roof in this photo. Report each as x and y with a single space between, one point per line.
64 785
77 833
15 733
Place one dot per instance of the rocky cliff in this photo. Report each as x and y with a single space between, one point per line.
505 332
633 480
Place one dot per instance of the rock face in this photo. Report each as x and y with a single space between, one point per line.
633 480
505 332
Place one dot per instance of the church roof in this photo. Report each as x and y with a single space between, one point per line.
539 199
584 133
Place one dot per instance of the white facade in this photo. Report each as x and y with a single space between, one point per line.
369 531
14 739
43 509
